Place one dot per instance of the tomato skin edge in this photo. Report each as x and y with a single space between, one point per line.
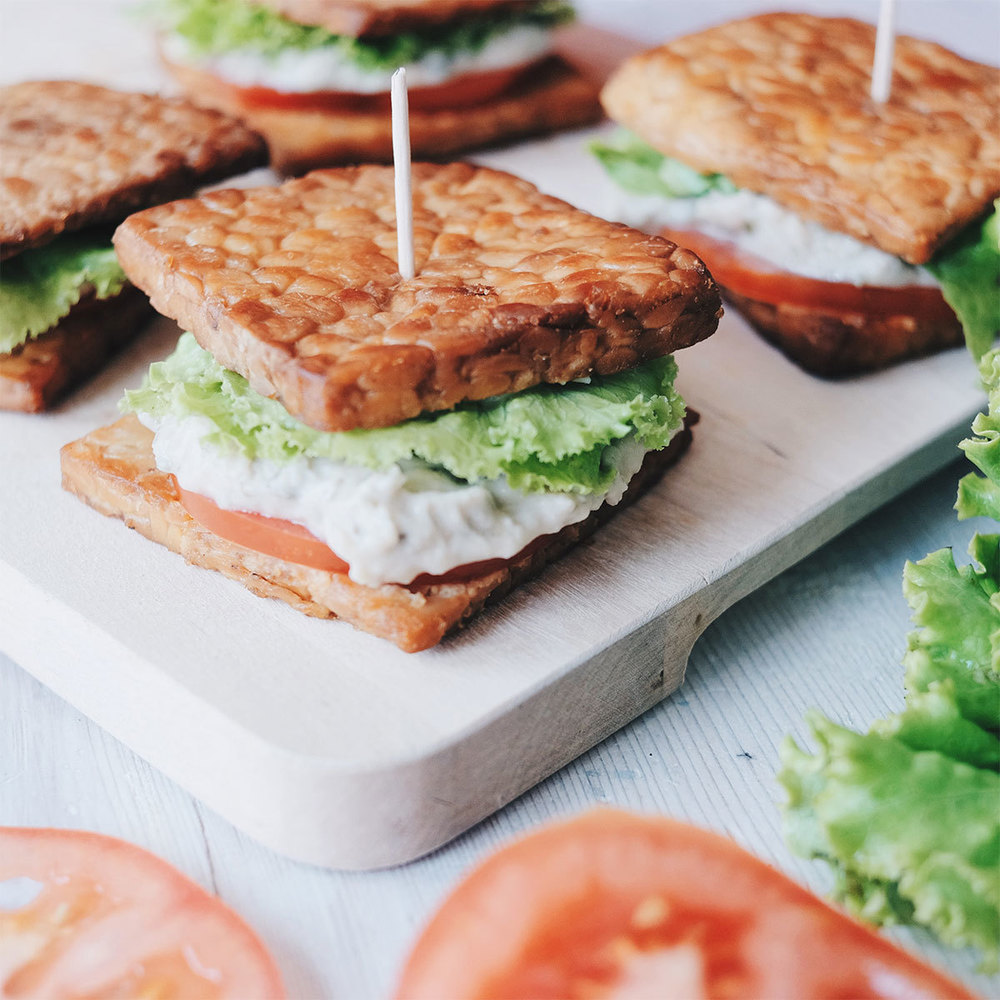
268 535
758 279
127 871
466 91
296 544
497 913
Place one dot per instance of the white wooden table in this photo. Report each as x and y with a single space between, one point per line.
828 633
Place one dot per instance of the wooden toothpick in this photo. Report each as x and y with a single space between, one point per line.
404 180
885 43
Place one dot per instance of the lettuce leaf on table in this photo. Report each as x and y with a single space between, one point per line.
914 834
545 438
959 639
909 812
934 720
956 608
979 496
39 287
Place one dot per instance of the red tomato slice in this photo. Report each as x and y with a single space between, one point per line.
270 535
114 921
294 543
463 91
622 906
746 275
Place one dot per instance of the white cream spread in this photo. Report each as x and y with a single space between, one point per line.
760 226
389 525
299 71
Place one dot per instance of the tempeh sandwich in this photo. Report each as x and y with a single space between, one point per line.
76 159
394 452
850 233
313 75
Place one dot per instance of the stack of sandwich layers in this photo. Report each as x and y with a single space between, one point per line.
833 223
394 452
313 76
76 160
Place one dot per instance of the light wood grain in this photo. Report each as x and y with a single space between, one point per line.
829 632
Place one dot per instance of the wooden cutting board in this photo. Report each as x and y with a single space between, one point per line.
334 747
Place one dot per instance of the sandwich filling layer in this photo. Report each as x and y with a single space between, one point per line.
332 69
40 286
426 496
257 48
657 192
762 228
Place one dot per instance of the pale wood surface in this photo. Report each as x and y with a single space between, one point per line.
829 633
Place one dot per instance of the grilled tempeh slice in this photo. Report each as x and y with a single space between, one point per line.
77 155
297 288
780 104
547 96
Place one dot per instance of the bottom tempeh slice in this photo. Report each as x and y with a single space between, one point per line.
36 375
552 96
833 343
113 470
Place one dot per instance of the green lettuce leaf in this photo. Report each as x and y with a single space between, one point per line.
969 272
640 169
914 834
38 287
958 634
214 27
933 720
545 438
978 496
909 813
954 607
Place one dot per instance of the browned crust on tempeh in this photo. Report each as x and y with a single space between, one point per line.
838 343
113 470
780 104
550 96
40 372
297 288
76 155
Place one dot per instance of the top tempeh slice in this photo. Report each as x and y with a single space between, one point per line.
370 18
76 155
296 287
780 104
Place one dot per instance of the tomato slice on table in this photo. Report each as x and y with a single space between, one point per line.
744 274
111 920
623 906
